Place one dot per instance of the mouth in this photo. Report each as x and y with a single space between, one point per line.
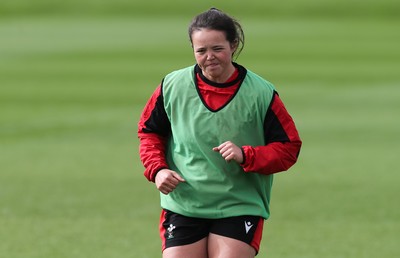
213 65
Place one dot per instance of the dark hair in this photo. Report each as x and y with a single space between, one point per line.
215 19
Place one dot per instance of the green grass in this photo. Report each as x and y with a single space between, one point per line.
72 88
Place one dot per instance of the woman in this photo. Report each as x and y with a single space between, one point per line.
211 137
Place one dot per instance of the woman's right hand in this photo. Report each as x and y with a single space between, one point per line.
167 180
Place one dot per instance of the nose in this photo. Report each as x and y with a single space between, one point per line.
210 55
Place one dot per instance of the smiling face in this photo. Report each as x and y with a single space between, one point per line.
213 53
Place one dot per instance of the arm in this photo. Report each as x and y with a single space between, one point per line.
282 143
153 131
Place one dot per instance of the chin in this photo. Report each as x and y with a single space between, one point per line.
214 75
215 72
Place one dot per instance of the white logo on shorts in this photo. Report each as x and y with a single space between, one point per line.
248 226
170 231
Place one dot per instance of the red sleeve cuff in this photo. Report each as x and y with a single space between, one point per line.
248 157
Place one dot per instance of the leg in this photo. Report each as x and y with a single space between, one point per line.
195 250
225 247
183 237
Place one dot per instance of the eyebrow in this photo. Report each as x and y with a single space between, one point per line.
216 46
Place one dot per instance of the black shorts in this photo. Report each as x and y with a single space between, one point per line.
177 230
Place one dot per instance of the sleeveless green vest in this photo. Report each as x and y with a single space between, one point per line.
215 188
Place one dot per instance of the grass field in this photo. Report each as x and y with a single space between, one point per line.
74 78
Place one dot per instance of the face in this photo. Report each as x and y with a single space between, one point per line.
213 53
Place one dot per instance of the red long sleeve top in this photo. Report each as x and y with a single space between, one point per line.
279 153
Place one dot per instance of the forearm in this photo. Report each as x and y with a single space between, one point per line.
272 158
152 154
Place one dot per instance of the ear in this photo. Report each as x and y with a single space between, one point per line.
234 46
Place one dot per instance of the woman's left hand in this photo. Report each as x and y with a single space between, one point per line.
230 151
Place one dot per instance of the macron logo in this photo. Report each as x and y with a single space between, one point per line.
248 226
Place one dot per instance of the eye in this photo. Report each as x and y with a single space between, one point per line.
200 51
218 49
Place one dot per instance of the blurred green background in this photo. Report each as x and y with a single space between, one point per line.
75 75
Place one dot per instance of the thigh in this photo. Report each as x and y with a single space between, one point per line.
177 230
246 230
225 247
195 250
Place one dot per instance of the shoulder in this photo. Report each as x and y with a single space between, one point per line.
257 78
178 80
258 81
180 72
253 78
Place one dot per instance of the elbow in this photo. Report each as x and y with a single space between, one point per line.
293 152
297 146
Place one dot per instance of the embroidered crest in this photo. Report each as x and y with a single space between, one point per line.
170 230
